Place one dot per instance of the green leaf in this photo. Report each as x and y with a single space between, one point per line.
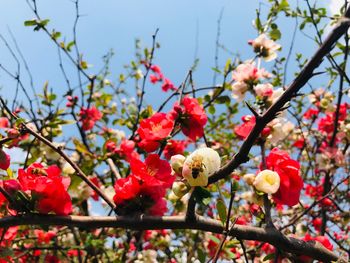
201 255
211 109
216 70
223 99
32 22
70 45
55 35
43 23
222 210
269 257
227 65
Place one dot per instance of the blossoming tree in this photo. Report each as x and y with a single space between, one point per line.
199 177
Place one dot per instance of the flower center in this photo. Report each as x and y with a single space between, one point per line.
156 127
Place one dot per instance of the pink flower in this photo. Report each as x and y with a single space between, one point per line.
89 117
248 73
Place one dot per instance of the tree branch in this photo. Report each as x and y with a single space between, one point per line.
275 238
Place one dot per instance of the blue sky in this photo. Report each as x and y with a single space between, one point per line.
111 24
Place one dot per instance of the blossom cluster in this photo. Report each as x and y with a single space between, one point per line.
39 188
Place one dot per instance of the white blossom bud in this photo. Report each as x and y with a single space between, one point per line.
177 161
267 181
249 178
180 189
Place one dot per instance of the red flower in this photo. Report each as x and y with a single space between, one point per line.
9 235
299 143
144 190
96 182
321 239
48 187
44 237
4 122
156 128
289 172
243 130
4 160
153 130
157 76
53 197
155 167
126 189
311 113
192 117
326 124
317 222
149 146
174 147
11 186
88 117
168 85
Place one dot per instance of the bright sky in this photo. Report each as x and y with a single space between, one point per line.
184 27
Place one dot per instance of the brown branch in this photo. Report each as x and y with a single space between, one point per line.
305 75
275 238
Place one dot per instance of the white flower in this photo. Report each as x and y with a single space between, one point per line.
199 165
265 47
276 94
67 169
280 129
49 153
238 90
139 74
267 181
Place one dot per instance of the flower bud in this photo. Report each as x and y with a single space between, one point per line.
177 161
11 186
249 178
267 181
199 165
4 160
180 189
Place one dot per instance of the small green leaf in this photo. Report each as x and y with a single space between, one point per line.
216 70
269 257
32 22
211 109
70 45
222 210
223 99
55 35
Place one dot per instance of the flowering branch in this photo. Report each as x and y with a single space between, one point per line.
305 75
289 244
